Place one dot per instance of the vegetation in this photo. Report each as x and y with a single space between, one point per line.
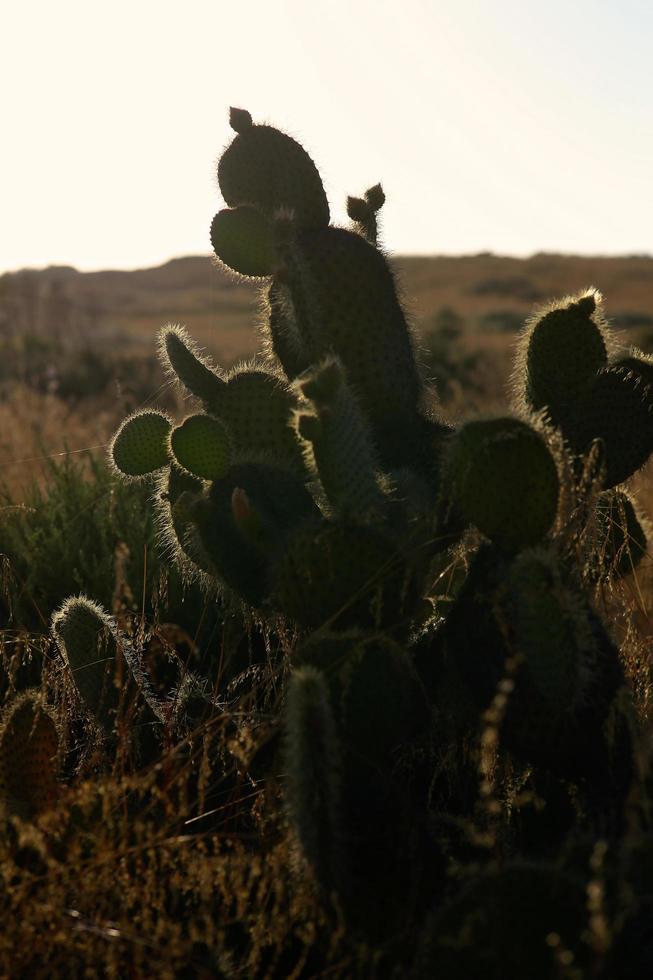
401 724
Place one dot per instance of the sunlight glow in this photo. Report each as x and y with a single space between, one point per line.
511 126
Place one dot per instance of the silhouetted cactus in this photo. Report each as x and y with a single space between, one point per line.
564 368
312 759
319 489
29 757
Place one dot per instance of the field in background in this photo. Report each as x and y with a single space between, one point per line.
77 349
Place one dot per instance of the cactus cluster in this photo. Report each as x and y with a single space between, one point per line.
320 485
319 489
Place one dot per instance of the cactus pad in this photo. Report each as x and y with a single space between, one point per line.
617 409
565 347
338 447
87 640
29 746
139 446
312 763
201 446
269 170
347 303
503 478
181 356
242 240
257 409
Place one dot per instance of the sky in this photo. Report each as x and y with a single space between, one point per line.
509 126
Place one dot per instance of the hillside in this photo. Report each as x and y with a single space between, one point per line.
77 350
486 291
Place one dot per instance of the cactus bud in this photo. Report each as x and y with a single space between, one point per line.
375 197
239 119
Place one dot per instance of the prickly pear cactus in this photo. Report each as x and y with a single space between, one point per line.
318 490
100 661
29 757
565 369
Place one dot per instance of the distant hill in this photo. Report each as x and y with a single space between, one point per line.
487 293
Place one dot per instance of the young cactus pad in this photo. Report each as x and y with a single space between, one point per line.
201 446
87 640
139 446
97 654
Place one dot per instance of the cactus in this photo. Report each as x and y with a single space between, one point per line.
201 447
96 655
243 520
29 750
338 447
504 480
318 490
312 760
527 610
363 212
345 303
564 368
242 240
265 168
139 447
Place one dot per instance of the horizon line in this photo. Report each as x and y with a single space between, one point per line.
483 253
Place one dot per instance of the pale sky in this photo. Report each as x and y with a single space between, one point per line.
510 126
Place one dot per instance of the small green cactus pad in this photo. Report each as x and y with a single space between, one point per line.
87 639
565 345
29 747
140 446
617 409
269 170
201 446
502 476
312 766
342 575
242 240
622 538
179 353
